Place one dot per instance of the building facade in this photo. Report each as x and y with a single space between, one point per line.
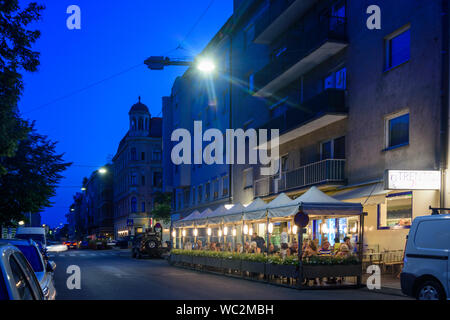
350 103
137 172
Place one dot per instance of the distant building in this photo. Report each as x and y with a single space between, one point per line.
137 172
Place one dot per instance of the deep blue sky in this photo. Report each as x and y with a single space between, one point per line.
115 35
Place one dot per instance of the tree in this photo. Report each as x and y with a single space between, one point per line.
162 206
15 55
31 179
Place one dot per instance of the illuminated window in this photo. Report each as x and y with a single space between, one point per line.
397 213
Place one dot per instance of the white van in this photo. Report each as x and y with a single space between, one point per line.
36 234
425 274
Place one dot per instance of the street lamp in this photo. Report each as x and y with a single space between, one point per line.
206 65
21 223
102 170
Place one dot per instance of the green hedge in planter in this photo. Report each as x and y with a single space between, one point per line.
290 260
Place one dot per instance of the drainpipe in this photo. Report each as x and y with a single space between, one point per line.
445 73
230 178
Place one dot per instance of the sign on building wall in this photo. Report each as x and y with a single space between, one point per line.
413 180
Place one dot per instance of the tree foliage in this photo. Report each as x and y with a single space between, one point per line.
162 207
32 177
16 55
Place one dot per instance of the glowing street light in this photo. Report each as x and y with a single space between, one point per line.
206 65
102 170
21 223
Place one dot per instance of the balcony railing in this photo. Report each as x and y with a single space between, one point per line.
299 44
325 171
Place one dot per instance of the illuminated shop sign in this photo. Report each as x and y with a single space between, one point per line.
413 180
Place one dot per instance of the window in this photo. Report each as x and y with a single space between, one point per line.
333 149
33 257
200 194
216 189
251 83
248 178
141 124
20 280
397 212
156 155
207 191
440 229
157 179
249 35
279 109
143 156
338 15
143 180
398 48
225 185
336 80
187 197
133 205
397 130
194 194
133 154
284 163
133 180
143 207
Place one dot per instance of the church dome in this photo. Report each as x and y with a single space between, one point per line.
139 107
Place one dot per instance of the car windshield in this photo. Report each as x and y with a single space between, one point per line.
35 237
33 257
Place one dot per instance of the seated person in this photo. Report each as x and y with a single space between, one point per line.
325 250
239 248
284 252
254 248
271 250
310 250
229 247
294 247
246 247
344 251
337 244
349 244
218 247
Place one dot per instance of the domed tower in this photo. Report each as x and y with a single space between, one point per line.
139 119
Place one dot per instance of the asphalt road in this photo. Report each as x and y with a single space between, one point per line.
114 275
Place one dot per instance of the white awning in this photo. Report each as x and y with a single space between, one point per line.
281 206
366 194
255 210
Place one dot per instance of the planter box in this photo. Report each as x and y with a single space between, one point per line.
250 266
175 258
186 259
199 260
213 262
231 264
289 271
321 271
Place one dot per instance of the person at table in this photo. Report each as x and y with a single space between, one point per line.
260 242
271 250
219 247
310 249
254 248
294 248
229 247
284 238
337 244
325 250
344 251
213 246
198 245
285 252
239 248
348 243
246 248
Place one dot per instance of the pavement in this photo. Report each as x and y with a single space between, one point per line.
114 275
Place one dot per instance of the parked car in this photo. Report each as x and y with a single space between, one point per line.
148 244
71 244
34 233
83 244
43 268
426 269
17 278
56 247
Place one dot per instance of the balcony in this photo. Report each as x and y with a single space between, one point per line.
331 171
279 15
320 111
303 50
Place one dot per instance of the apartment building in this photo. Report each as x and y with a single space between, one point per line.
362 113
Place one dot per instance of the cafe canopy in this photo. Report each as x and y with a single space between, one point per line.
313 202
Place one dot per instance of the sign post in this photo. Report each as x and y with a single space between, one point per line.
301 220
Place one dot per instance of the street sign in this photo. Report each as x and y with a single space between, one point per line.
301 219
130 222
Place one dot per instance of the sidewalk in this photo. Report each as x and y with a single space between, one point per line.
390 284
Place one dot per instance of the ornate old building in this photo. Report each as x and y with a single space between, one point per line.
137 172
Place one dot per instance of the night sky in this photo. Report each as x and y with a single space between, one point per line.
74 97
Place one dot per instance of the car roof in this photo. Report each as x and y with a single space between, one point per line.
23 242
433 217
